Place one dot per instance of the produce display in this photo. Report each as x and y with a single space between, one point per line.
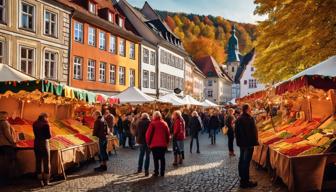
66 133
299 137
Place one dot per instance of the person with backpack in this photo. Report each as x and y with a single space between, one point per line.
195 127
100 131
157 138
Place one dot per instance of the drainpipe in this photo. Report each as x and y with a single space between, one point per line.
69 51
157 71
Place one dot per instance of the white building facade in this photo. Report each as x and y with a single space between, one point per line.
148 69
249 84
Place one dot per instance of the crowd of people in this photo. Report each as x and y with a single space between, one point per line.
153 134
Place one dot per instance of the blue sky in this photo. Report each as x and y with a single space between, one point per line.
236 10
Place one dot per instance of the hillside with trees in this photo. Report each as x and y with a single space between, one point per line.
208 35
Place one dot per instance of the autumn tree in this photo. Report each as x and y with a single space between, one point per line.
170 22
296 35
202 46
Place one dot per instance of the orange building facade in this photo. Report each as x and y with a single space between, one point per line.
104 55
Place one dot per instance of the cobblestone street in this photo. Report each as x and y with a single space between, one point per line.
212 170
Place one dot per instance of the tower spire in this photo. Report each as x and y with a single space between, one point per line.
233 46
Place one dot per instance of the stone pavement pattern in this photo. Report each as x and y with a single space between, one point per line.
212 170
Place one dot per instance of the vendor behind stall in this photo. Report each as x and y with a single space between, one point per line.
42 135
7 147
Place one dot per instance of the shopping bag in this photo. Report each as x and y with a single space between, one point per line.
225 129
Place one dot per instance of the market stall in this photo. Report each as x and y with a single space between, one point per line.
72 140
189 100
207 103
173 99
297 134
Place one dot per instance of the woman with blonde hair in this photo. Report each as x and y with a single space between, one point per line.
229 123
178 137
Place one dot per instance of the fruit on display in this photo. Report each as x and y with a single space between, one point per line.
285 135
16 121
295 150
315 138
77 126
298 137
329 126
25 144
312 151
84 138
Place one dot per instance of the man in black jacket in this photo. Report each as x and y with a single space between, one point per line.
141 140
246 137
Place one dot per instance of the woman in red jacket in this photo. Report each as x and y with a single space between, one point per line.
178 137
157 138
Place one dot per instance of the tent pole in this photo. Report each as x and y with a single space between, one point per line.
22 107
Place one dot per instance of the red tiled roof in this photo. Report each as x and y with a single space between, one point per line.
209 66
79 7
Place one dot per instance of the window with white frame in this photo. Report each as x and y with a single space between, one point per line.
152 58
132 77
122 75
145 55
78 32
2 52
78 63
50 23
91 70
27 60
92 7
112 74
102 72
102 40
210 93
132 50
145 79
120 22
92 36
113 44
3 11
50 65
110 17
27 16
152 80
122 46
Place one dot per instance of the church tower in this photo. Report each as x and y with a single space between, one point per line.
233 60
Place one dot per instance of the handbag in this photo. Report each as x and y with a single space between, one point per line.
225 130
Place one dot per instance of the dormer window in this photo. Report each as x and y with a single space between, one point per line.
92 7
120 22
110 17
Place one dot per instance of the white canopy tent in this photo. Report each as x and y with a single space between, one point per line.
233 101
8 73
325 68
189 100
207 103
134 96
173 99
